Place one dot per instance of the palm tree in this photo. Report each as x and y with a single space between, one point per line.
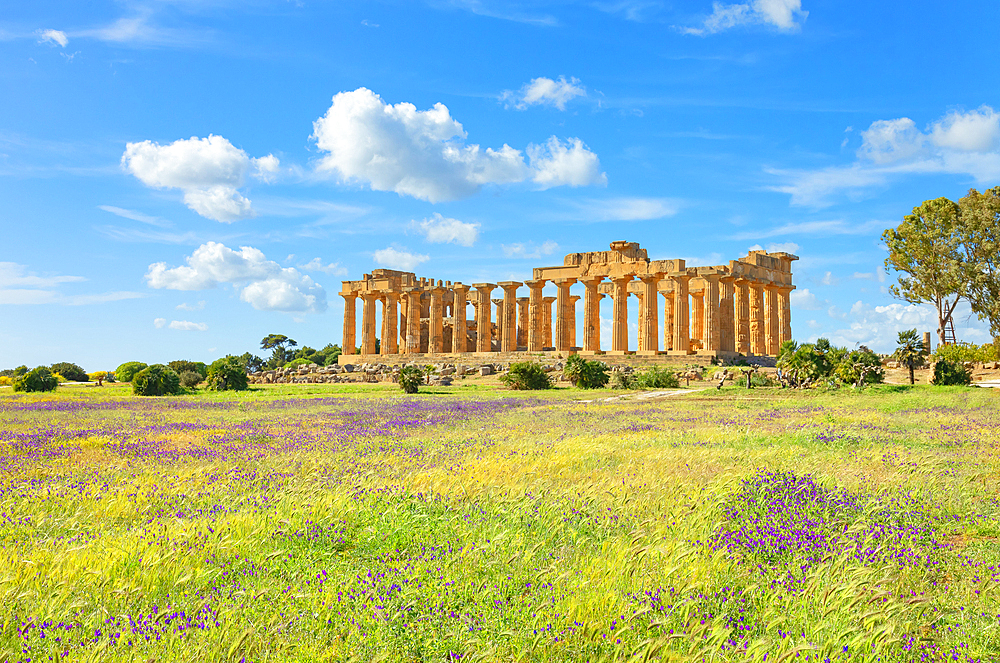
909 350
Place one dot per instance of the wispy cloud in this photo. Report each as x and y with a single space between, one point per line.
529 250
18 287
830 227
623 208
506 11
135 216
784 15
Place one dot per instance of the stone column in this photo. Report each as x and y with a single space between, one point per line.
536 339
435 324
571 319
757 345
784 315
458 333
547 303
592 315
348 344
727 340
771 328
682 334
648 320
743 316
619 334
563 339
484 335
498 303
390 328
710 301
508 323
412 320
698 316
668 320
368 323
522 322
641 301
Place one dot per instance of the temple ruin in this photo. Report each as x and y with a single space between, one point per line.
721 311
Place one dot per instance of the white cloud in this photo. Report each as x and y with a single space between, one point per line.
191 307
134 216
775 247
623 209
400 259
184 325
829 279
529 250
959 143
442 230
159 322
265 284
784 15
556 163
208 170
20 287
804 300
830 227
545 92
864 275
878 326
316 265
13 274
423 154
54 37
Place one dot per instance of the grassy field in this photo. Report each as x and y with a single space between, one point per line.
336 523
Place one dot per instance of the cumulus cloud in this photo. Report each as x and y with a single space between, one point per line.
442 230
423 154
191 307
401 259
960 143
159 323
805 300
209 171
545 92
263 283
783 247
529 249
184 325
54 37
785 15
317 265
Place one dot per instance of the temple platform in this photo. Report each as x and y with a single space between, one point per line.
476 358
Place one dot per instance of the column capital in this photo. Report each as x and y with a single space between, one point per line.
626 278
574 298
506 285
458 286
485 287
654 277
680 276
536 283
591 281
567 281
349 294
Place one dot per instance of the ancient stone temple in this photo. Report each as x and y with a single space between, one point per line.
722 311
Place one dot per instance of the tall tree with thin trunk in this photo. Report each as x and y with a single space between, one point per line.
909 350
981 241
926 248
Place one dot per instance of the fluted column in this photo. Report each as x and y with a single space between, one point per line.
771 327
571 319
727 336
412 320
536 339
547 303
710 301
649 320
390 330
563 325
757 345
682 333
458 332
641 303
668 320
435 323
368 323
484 335
350 322
619 333
522 322
743 316
784 315
508 321
698 316
592 315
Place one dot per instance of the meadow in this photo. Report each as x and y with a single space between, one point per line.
340 523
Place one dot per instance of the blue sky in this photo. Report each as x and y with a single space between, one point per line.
180 178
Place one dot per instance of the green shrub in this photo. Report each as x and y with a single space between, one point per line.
59 378
301 361
962 352
227 374
101 376
410 379
39 379
71 372
762 380
586 374
621 380
127 371
6 380
526 375
655 378
190 379
948 373
156 380
858 363
182 366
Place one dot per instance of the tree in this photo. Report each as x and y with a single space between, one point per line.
585 374
526 375
182 366
410 378
909 350
227 374
127 371
71 372
981 241
276 344
251 362
39 379
927 248
156 380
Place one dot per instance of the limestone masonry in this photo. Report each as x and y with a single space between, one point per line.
722 311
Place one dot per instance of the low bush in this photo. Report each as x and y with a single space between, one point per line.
156 380
101 376
586 374
948 373
859 367
301 361
526 376
227 374
182 366
410 379
59 378
190 379
127 371
39 379
621 380
6 380
655 378
70 372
